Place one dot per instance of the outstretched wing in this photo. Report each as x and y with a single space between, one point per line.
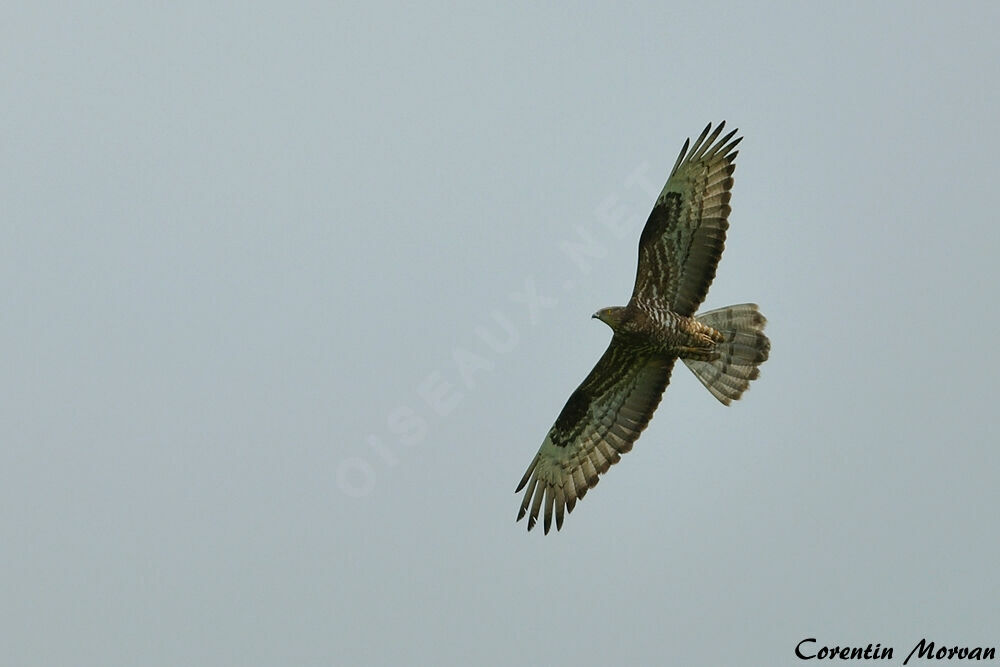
600 422
683 239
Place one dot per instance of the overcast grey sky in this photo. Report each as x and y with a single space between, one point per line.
286 311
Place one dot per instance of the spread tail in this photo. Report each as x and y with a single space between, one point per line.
743 349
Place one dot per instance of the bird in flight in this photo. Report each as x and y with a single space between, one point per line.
679 251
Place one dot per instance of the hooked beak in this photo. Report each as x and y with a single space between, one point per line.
596 316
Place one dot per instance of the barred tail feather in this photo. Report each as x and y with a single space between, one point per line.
743 349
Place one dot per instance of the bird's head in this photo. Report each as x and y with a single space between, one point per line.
611 316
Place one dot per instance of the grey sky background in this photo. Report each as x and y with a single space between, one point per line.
243 243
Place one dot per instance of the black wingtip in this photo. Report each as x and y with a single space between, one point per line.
701 137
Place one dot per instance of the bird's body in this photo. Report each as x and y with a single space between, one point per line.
654 325
679 250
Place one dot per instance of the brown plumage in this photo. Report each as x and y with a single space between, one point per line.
679 251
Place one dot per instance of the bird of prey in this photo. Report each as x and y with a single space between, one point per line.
679 250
